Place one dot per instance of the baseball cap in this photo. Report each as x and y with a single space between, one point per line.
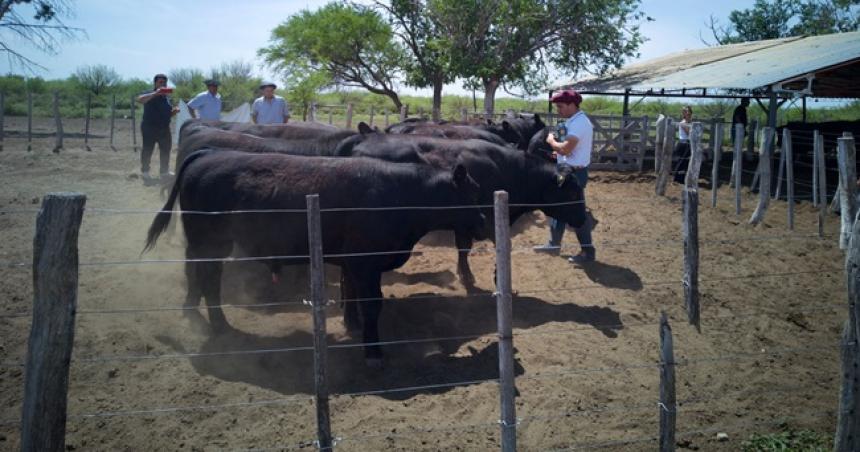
212 81
567 96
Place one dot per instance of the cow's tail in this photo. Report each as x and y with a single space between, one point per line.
162 218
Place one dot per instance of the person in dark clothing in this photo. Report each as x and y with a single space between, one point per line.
155 127
740 116
682 146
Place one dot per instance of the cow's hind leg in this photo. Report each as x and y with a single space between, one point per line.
209 276
351 320
464 245
369 286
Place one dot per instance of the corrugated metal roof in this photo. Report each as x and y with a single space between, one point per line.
745 66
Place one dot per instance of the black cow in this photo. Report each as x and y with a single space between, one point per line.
220 181
453 131
518 130
528 179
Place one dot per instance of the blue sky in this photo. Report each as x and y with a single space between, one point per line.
140 38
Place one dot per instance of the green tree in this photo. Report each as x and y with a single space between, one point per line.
238 83
302 90
785 18
514 43
353 44
43 27
428 61
96 79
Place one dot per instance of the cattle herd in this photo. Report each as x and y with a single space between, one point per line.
380 192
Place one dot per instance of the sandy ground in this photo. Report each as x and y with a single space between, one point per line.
586 338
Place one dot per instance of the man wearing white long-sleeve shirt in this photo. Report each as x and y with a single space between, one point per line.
572 150
270 108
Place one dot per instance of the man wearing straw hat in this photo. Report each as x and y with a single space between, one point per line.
572 149
270 108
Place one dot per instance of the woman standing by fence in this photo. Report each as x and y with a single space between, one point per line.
682 148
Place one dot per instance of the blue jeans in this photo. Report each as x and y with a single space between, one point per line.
583 233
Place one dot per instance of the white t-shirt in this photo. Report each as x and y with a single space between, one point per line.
207 105
579 126
683 134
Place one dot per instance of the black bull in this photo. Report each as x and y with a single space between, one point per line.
230 181
531 181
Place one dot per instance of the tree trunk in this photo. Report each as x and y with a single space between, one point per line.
437 98
490 86
394 98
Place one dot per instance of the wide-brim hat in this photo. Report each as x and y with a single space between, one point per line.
212 82
265 84
567 96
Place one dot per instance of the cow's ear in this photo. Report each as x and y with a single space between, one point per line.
489 122
506 125
364 129
460 173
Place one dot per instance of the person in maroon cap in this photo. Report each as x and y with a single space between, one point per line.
572 150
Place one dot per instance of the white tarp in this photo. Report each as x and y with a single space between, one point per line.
241 113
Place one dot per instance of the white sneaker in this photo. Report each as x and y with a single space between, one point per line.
145 176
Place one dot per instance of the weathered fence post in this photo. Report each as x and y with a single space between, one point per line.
330 122
504 314
847 158
464 114
112 119
788 150
318 304
738 165
666 158
349 115
814 170
49 350
58 121
371 116
385 114
87 124
818 147
2 115
715 166
751 149
658 144
133 125
312 114
780 171
403 113
29 120
691 227
643 142
668 403
764 171
848 420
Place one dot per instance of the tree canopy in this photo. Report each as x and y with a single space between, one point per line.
353 44
784 18
41 26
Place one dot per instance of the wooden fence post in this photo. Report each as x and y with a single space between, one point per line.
349 115
2 115
764 171
666 158
330 122
504 314
49 350
814 170
29 121
848 187
848 423
658 144
818 146
403 113
133 124
58 123
312 117
751 149
668 403
788 150
112 119
780 171
87 124
385 113
717 150
738 165
371 116
464 114
691 227
318 303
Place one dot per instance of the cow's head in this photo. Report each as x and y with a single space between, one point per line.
560 192
539 147
466 192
